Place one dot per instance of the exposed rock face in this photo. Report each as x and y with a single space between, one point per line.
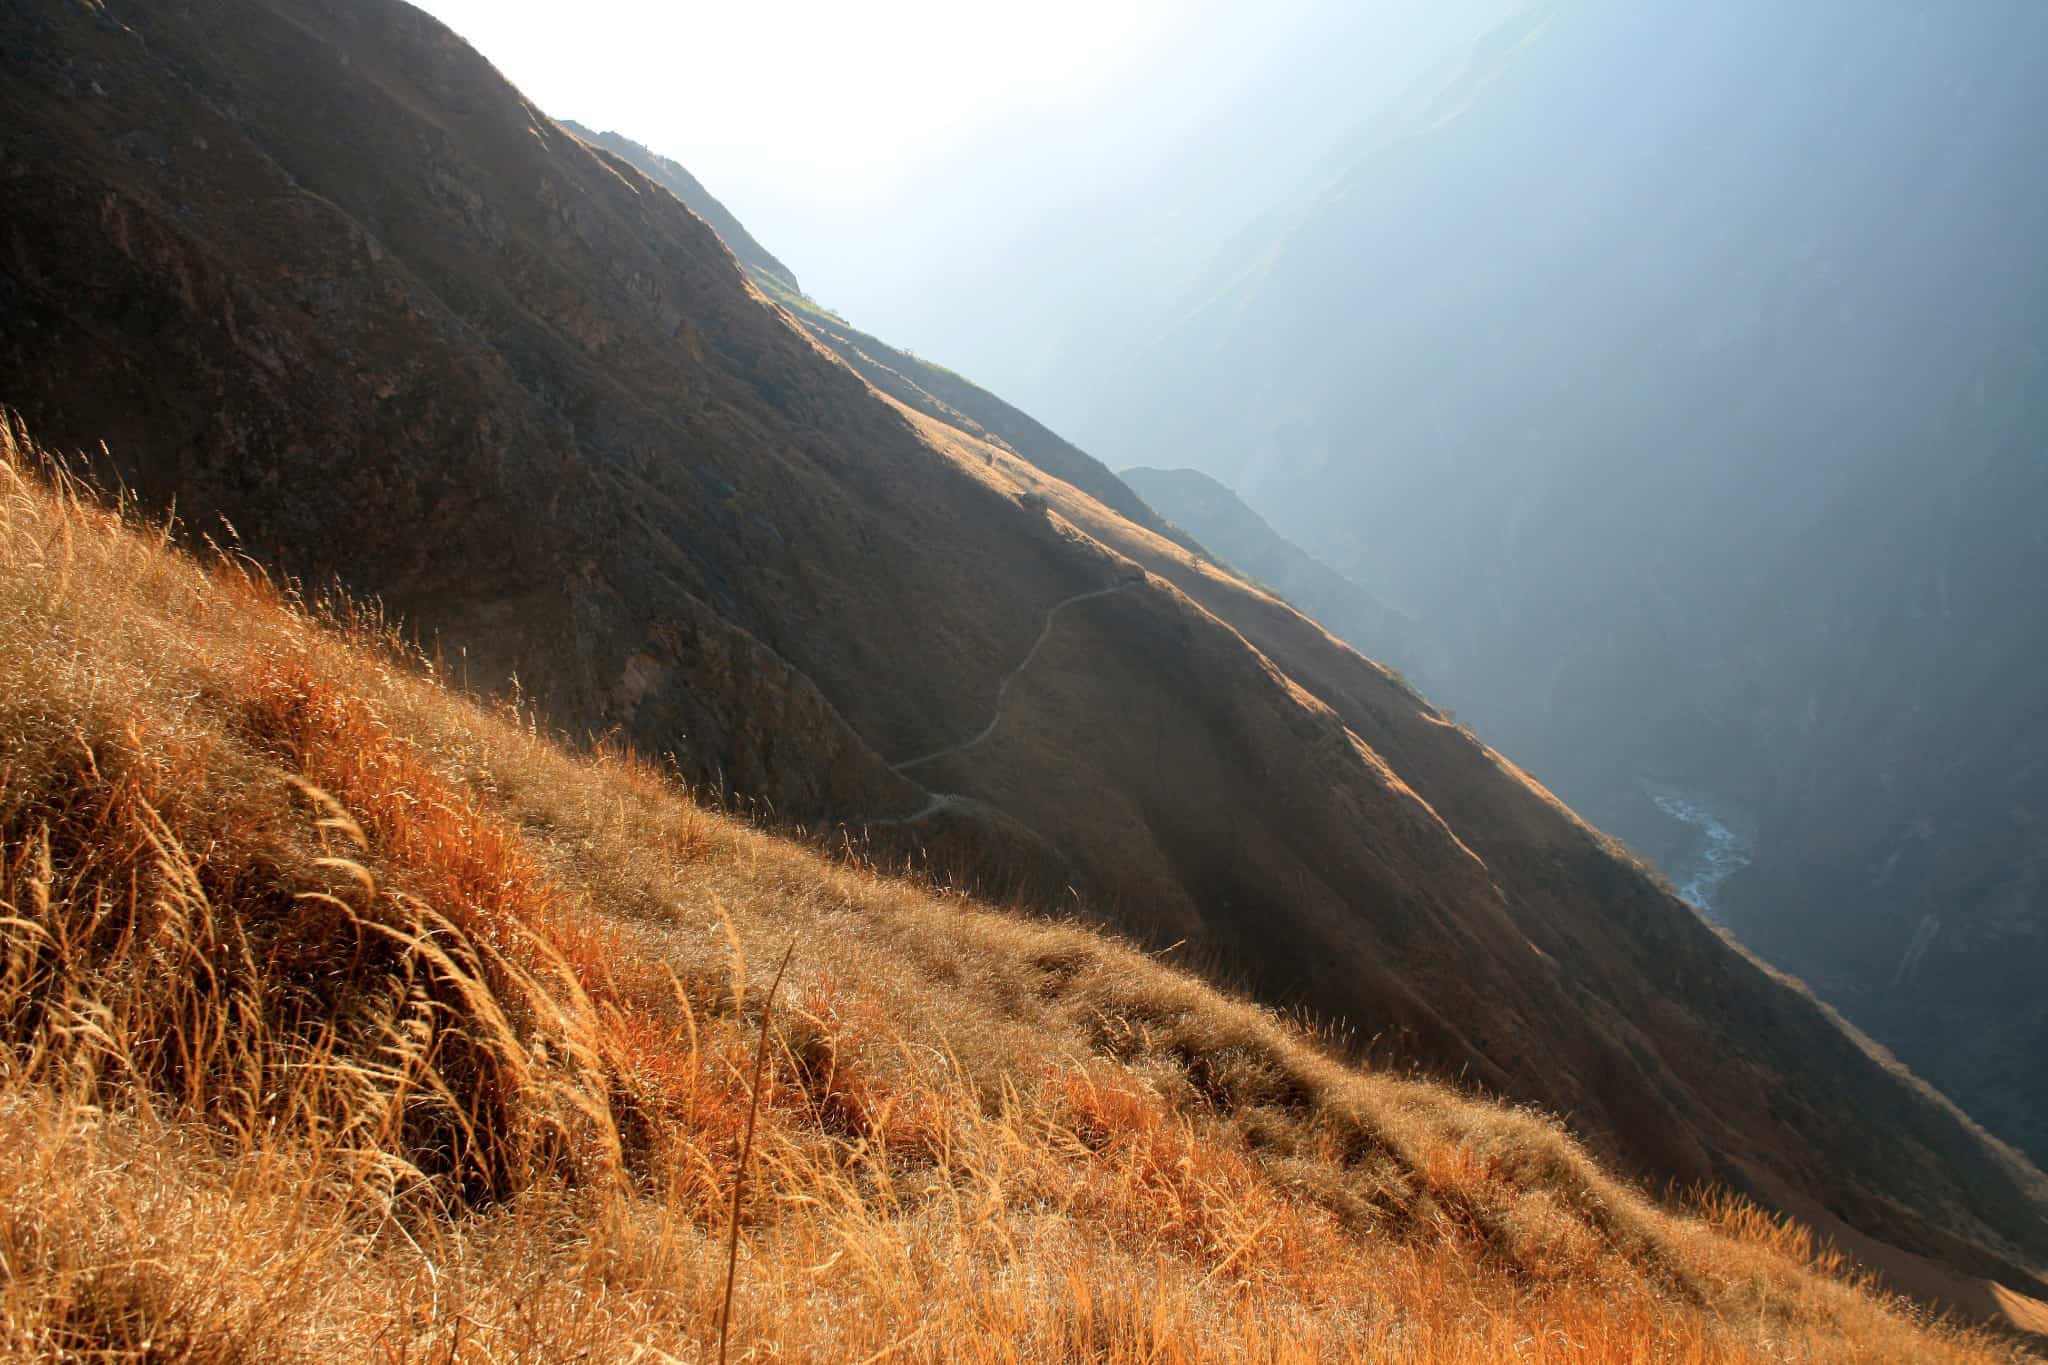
1682 367
357 296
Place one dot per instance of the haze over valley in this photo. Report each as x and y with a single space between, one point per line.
1376 672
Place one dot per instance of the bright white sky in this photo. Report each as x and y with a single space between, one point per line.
848 97
997 185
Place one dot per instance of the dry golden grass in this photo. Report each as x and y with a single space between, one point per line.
346 1019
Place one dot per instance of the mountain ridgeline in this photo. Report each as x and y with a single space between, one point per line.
1682 368
312 268
930 389
1219 519
770 273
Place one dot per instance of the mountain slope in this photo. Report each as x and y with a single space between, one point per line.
314 268
346 1020
1207 509
931 389
1904 867
1680 365
671 176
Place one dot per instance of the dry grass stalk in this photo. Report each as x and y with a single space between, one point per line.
344 1019
739 1171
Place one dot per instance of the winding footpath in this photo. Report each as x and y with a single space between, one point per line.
941 801
1003 689
934 803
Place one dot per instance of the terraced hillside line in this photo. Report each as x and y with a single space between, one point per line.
1003 688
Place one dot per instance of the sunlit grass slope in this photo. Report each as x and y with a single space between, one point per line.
346 1019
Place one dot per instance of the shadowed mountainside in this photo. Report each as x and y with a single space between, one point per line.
1682 366
314 268
914 382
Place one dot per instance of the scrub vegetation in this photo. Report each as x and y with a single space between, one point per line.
344 1017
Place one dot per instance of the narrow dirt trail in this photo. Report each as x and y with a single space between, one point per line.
1003 689
934 803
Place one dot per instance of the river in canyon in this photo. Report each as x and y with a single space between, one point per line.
1721 844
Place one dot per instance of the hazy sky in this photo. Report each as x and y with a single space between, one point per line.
842 98
991 185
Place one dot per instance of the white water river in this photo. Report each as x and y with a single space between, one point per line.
1718 853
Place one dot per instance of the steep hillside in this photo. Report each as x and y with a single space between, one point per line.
931 389
938 392
313 268
1680 365
346 1020
1205 508
1903 869
760 263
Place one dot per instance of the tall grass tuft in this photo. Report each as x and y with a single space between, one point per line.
739 1170
344 1018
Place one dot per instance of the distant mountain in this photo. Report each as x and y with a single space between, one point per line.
312 268
1902 796
1682 366
1222 522
915 382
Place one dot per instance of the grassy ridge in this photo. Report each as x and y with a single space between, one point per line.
344 1018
